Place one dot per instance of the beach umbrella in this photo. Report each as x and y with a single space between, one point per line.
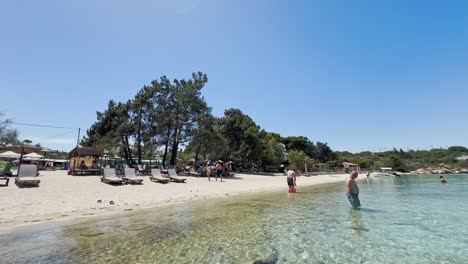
45 150
33 156
9 155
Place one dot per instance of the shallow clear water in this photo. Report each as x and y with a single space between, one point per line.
403 220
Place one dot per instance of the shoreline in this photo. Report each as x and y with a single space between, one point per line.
63 198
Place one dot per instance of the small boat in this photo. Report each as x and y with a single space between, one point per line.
384 172
381 174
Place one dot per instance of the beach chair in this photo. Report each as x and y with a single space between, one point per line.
157 177
174 177
110 177
27 175
130 176
228 174
5 179
192 172
140 169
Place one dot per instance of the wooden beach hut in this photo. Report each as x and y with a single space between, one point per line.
348 167
88 155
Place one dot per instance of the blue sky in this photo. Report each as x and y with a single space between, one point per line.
360 75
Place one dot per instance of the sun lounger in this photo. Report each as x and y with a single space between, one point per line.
110 177
6 179
174 177
192 172
27 175
141 170
130 176
157 177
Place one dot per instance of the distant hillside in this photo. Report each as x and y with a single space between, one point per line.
408 160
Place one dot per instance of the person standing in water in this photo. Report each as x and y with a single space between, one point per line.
353 190
291 179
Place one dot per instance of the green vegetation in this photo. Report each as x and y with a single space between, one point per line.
8 136
167 116
5 165
406 160
298 160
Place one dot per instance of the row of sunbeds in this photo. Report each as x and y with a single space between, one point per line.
130 176
27 176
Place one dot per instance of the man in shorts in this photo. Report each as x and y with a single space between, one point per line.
291 178
353 190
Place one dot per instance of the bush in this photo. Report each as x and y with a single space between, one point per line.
298 160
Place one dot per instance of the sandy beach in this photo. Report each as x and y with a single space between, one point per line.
64 197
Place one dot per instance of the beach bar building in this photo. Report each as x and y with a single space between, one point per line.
88 155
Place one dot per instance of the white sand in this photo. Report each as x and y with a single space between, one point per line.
61 196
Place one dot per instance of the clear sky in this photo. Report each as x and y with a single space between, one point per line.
360 75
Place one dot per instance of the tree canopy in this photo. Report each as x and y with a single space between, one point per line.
168 116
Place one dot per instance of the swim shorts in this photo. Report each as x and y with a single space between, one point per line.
356 202
290 182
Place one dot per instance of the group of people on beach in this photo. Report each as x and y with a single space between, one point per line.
83 165
211 169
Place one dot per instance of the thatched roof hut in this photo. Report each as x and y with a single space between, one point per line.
86 155
86 152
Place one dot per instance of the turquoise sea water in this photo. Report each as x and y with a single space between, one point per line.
412 219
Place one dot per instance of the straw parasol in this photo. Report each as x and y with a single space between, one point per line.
10 155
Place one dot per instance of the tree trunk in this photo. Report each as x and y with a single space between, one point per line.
198 151
129 151
175 146
138 139
139 148
166 146
124 148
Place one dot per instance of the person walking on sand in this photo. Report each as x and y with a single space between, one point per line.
219 170
291 179
353 190
208 170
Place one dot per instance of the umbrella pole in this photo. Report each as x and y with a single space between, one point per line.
20 161
43 159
